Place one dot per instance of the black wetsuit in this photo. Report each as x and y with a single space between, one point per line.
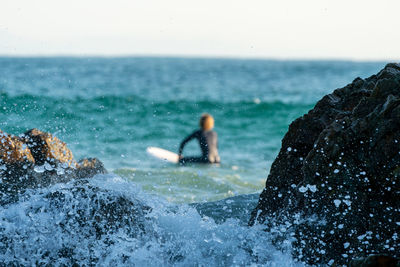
208 145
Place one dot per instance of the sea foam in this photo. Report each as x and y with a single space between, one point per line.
36 231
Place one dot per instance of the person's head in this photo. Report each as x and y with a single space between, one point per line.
206 122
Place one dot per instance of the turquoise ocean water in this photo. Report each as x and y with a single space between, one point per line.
113 108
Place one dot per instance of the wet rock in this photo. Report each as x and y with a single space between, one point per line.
47 148
64 221
74 209
375 261
90 167
38 159
13 150
336 178
15 162
101 213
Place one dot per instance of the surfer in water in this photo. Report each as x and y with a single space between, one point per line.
208 142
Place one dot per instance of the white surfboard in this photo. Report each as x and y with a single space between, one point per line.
163 154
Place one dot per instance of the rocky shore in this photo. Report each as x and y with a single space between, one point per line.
335 183
38 159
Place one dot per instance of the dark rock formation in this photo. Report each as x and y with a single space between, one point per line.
375 261
78 211
336 179
89 167
38 159
103 212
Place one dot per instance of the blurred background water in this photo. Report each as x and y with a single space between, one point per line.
113 108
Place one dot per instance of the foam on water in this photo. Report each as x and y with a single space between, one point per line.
193 183
36 231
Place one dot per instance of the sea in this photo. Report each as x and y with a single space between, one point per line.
113 108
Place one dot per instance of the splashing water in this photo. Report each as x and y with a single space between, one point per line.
40 230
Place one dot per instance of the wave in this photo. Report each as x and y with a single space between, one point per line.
117 129
113 100
48 109
65 224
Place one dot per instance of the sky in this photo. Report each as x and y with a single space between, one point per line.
279 29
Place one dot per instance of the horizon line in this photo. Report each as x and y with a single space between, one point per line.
194 56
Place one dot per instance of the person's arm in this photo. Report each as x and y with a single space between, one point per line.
187 139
